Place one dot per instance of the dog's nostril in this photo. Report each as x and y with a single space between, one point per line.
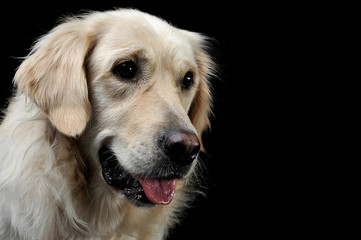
180 146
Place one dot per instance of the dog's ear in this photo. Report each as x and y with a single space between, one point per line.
54 77
201 107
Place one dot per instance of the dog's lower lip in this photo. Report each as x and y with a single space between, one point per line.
143 190
115 176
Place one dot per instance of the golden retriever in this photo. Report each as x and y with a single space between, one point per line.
103 135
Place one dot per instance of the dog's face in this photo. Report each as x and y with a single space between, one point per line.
133 89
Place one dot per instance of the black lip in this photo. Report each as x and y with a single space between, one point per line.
115 176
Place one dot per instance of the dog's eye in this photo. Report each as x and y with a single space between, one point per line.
187 80
126 70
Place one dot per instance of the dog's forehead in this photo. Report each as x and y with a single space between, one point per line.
144 27
137 32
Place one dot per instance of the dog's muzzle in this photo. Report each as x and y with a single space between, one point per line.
177 149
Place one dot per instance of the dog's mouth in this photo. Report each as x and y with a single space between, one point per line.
140 191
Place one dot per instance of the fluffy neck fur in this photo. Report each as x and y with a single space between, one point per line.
48 194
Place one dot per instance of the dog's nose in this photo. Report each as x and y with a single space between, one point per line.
180 146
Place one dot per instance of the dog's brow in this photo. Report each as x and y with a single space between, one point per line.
123 55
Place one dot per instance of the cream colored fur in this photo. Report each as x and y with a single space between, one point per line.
68 103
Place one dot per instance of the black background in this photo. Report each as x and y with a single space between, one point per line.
249 192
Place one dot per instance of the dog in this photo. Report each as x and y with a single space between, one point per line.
102 137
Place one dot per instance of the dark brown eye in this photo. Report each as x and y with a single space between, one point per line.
126 70
187 80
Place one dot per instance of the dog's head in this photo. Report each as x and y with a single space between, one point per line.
133 89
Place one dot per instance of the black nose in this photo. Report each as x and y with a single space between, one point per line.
181 146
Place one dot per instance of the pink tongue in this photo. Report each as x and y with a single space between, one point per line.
159 191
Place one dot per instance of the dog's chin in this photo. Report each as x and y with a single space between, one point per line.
139 190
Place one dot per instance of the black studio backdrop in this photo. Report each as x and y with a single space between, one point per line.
245 193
